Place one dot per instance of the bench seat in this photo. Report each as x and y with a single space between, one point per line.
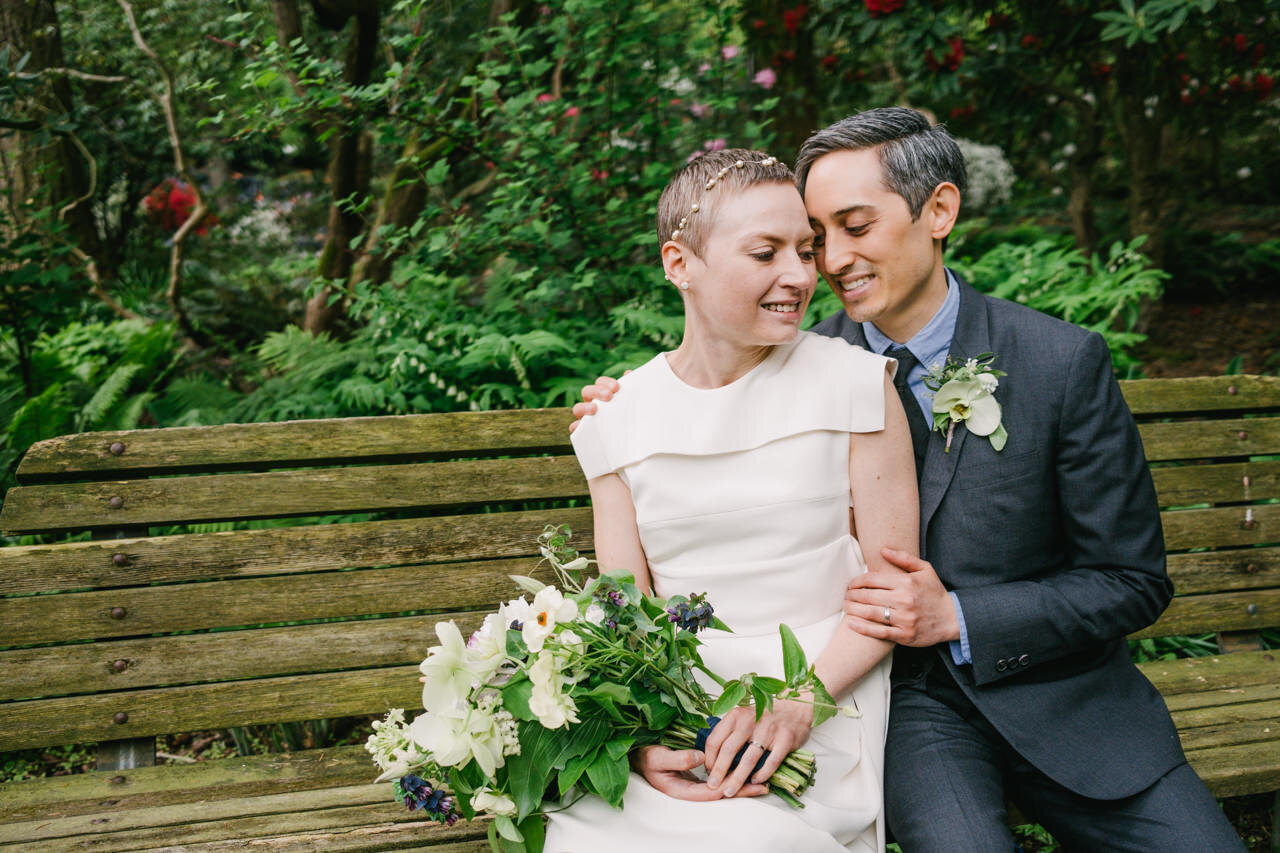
247 575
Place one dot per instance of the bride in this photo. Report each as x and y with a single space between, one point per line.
735 466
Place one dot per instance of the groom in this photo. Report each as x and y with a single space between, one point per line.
1013 679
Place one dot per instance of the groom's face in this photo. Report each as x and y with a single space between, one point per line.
879 262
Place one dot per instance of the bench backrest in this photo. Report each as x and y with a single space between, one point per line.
397 522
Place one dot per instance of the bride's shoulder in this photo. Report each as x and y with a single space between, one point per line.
810 347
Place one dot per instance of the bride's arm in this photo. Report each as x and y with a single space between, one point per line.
882 478
617 537
618 546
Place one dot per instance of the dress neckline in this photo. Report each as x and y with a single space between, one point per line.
770 356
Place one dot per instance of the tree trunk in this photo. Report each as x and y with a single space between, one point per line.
1082 163
1143 141
349 164
56 174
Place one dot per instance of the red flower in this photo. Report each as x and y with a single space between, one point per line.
1240 43
783 57
877 8
545 97
829 61
1185 78
1101 69
951 60
1032 41
759 24
1263 85
1235 83
572 112
170 203
791 18
599 174
1181 57
963 112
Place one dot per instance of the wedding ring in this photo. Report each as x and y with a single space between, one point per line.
755 743
888 616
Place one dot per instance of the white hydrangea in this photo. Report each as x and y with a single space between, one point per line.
990 175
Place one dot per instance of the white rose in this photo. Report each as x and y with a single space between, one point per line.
548 701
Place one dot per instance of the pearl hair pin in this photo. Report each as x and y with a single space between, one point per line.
711 183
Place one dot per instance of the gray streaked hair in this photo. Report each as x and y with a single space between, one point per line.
690 187
916 156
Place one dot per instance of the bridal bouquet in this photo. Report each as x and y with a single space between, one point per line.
549 696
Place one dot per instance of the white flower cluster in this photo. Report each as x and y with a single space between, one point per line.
990 175
265 226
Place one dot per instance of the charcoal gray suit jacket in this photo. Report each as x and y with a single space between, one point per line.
1054 547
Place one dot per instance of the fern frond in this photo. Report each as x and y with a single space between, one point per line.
107 395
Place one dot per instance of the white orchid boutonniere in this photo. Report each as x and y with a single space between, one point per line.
964 393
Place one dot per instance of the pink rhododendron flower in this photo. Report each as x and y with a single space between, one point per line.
571 112
698 110
545 97
765 77
729 51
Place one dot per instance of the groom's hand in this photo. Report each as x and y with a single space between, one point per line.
603 389
921 612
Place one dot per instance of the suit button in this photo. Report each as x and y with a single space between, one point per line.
1002 665
1024 660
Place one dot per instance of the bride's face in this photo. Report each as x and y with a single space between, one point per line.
757 272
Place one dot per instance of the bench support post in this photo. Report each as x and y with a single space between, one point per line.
133 752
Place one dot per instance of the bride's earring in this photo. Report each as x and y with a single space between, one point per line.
684 285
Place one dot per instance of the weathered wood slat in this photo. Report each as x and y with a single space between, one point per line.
1214 571
297 443
1181 485
136 611
86 719
1194 719
204 781
1201 394
220 656
1210 439
284 494
1236 770
1200 677
1232 733
363 823
1223 527
1225 697
246 553
1224 611
155 817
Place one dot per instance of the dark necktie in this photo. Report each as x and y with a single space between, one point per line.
915 418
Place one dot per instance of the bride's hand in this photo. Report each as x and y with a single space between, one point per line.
668 771
781 730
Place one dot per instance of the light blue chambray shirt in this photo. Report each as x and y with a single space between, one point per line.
930 346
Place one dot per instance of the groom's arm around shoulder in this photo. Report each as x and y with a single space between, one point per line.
1108 577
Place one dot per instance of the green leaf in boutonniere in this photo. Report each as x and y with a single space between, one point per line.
964 393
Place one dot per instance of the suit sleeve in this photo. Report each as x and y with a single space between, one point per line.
1112 579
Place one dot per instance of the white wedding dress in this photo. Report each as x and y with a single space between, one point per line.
742 492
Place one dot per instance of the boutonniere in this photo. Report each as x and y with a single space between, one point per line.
963 392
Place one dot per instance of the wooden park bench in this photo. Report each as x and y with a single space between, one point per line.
141 631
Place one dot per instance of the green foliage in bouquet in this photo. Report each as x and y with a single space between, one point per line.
545 702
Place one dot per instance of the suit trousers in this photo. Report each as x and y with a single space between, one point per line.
948 774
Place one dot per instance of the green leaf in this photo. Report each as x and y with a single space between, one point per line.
794 663
507 828
528 584
734 693
619 746
573 771
609 777
438 173
772 686
762 699
823 704
515 698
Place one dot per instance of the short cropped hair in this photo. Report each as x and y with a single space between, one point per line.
915 156
689 187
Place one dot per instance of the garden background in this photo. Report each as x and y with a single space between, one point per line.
271 209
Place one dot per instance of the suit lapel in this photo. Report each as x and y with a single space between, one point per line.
971 338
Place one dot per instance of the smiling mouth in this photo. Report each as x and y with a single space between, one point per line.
782 307
856 282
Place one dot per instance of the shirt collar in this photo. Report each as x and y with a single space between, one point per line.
931 344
